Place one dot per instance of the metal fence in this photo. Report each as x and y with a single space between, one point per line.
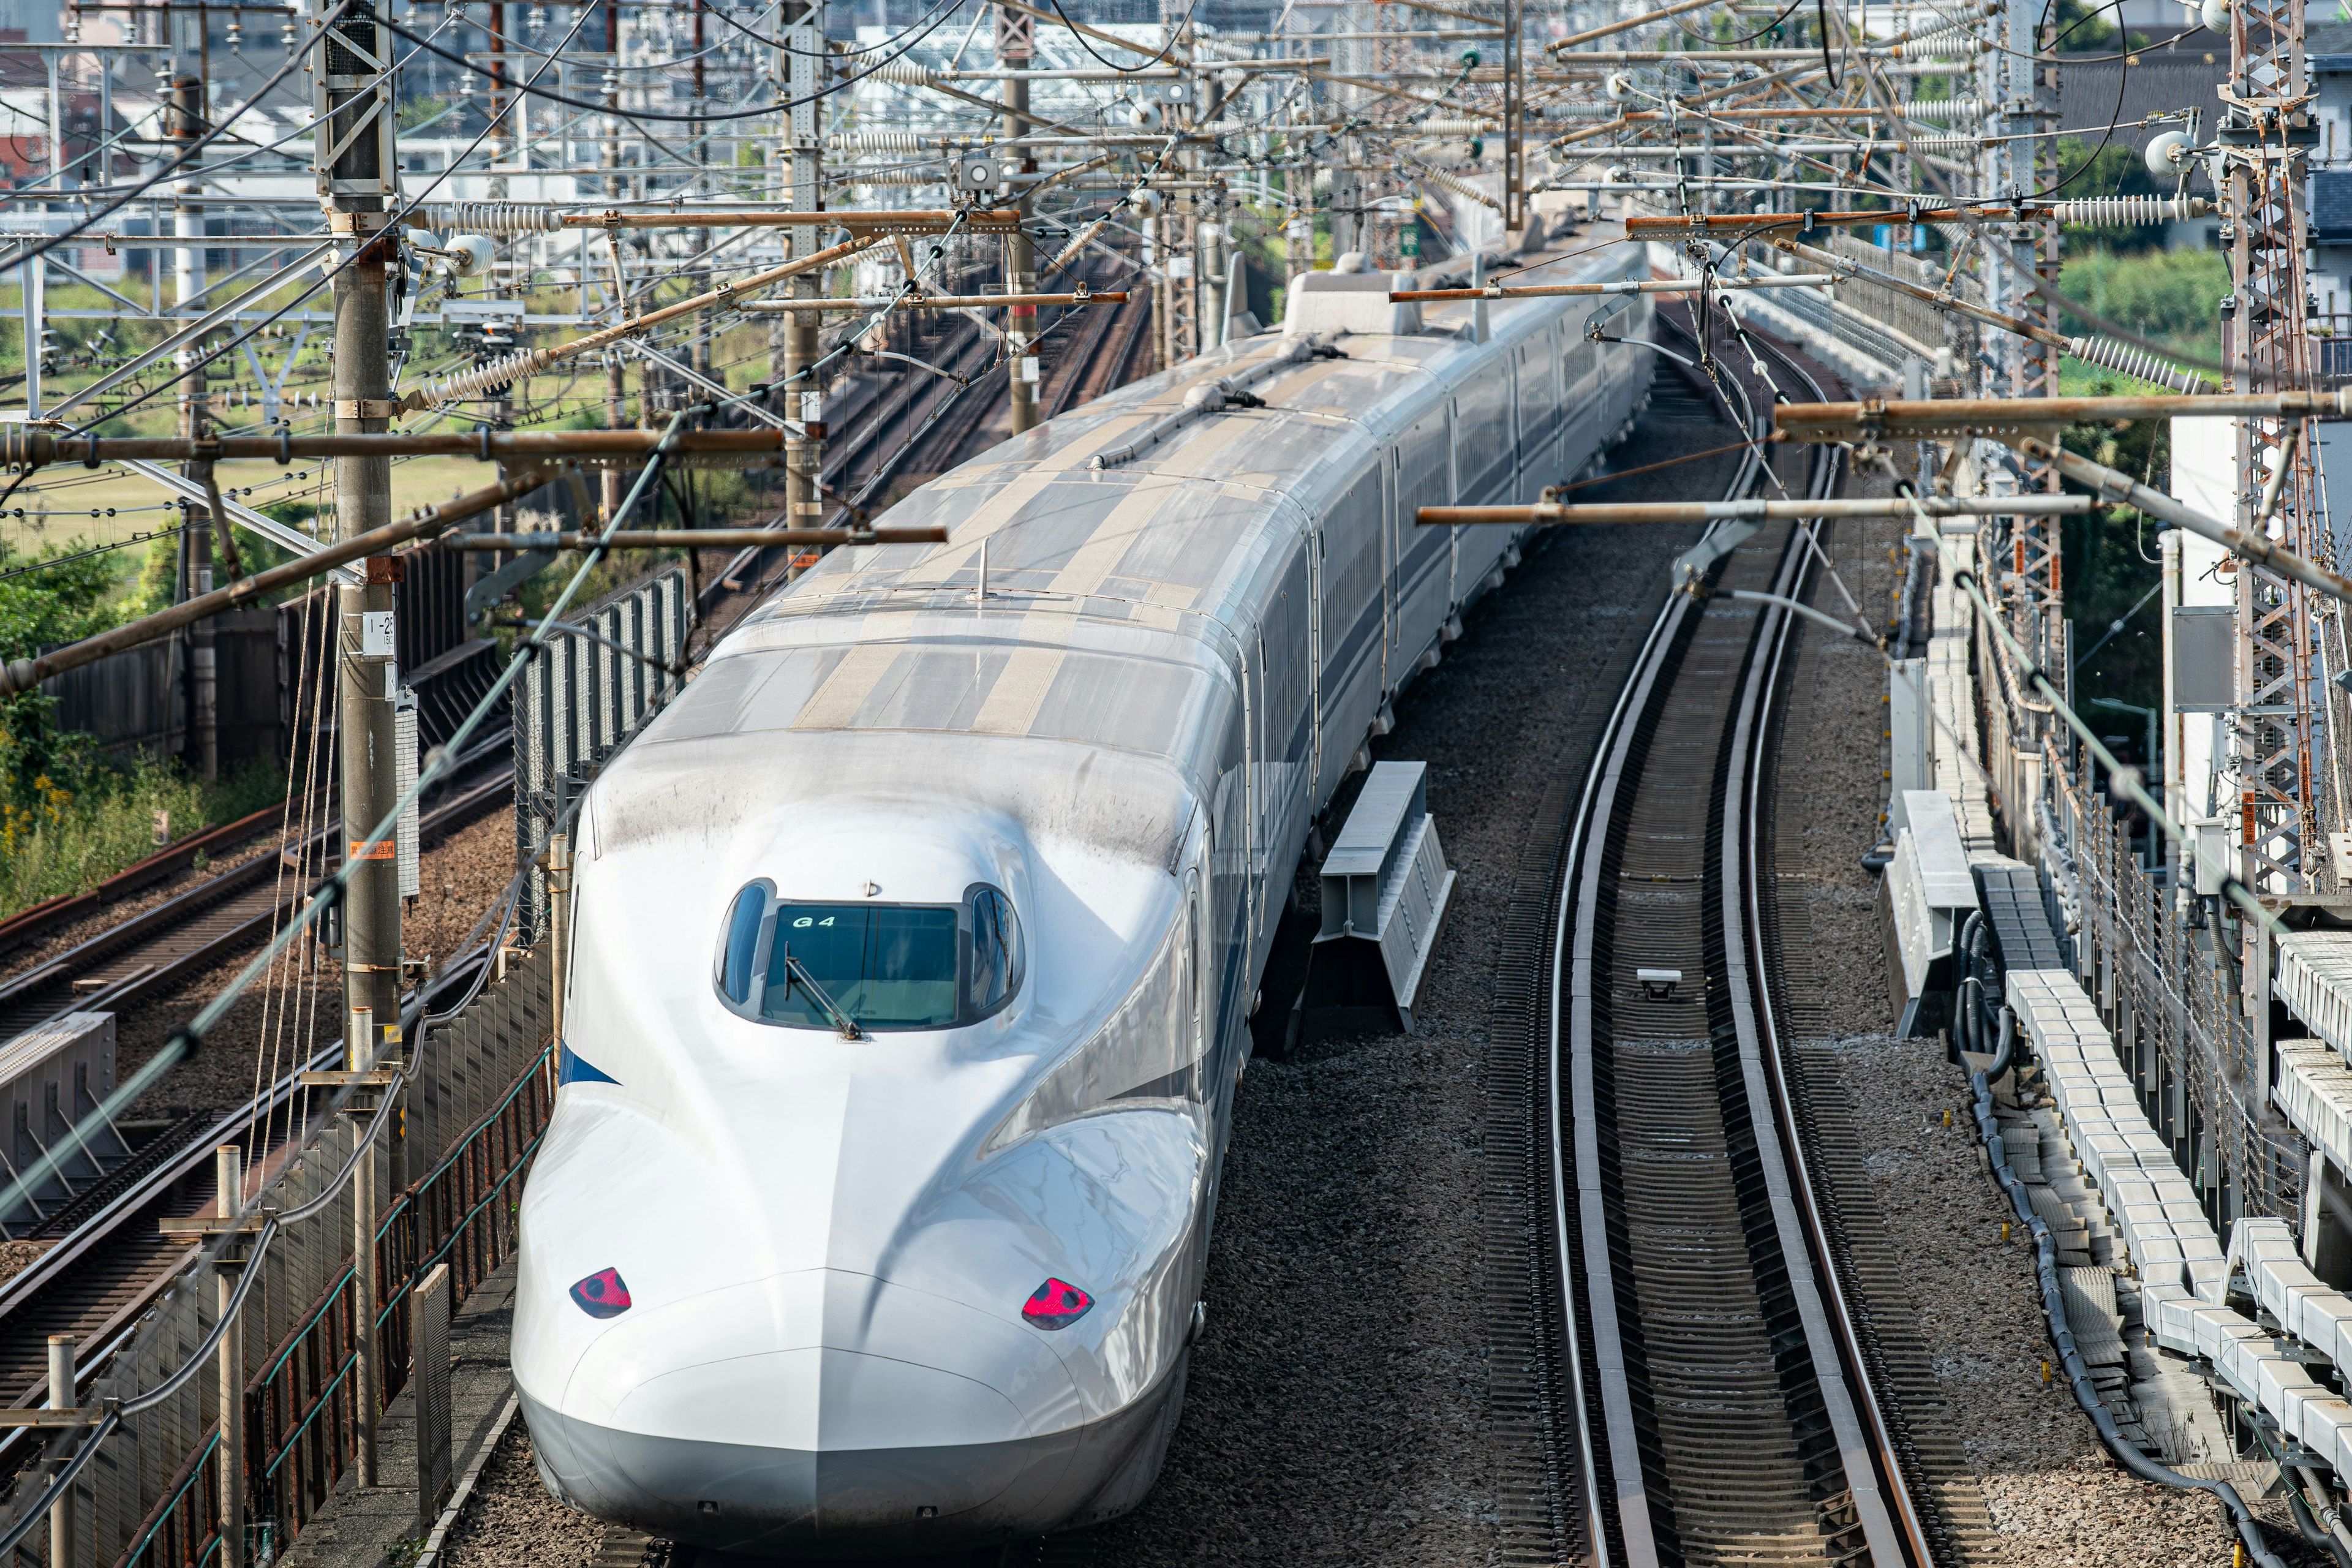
2159 984
136 699
149 1499
582 701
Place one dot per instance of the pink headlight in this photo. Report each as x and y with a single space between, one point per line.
1056 1304
602 1294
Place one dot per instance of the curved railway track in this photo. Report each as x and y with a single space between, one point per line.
1714 1394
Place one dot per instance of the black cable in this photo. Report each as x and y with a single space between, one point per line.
2123 80
1735 43
1173 34
327 277
85 554
720 12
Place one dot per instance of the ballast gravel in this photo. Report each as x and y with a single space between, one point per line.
73 933
2055 1497
295 1009
509 1522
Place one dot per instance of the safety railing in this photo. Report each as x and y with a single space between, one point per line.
601 680
298 1418
148 1495
2166 999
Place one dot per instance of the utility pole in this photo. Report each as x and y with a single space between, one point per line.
228 1172
63 1551
702 332
498 141
803 30
355 112
1016 50
1515 148
187 117
616 389
1215 306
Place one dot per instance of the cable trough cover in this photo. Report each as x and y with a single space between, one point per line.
1385 891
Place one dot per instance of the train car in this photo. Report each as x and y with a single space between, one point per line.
913 948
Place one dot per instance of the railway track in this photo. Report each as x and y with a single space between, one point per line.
107 1261
1694 1380
152 951
1102 358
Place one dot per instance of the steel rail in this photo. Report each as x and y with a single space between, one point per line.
1873 1472
1841 1371
1581 1170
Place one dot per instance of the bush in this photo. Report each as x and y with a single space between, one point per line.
70 817
2172 296
56 603
57 840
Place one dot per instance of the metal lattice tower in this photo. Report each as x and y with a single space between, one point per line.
2266 127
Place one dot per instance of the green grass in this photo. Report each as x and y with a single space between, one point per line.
56 840
2172 296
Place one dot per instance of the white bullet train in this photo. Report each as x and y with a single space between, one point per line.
913 947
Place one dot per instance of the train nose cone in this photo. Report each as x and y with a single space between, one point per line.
823 1411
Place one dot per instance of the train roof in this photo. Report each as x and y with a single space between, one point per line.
1094 606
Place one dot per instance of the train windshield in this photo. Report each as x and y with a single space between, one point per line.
889 967
886 966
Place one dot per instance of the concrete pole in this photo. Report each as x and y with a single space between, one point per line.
355 188
228 1174
367 1358
1155 256
1214 305
802 31
558 922
62 1550
616 389
204 655
353 196
500 138
36 278
187 217
1016 50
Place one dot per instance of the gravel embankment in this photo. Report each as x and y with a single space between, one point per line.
2054 1496
509 1522
275 1021
33 954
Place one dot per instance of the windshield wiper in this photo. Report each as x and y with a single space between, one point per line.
797 973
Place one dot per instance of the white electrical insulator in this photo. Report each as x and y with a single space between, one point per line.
2215 14
1619 85
2137 363
1147 117
2166 153
1617 174
1144 200
473 255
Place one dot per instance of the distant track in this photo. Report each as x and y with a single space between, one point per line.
150 953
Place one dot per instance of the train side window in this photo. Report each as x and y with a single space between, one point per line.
738 955
995 951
